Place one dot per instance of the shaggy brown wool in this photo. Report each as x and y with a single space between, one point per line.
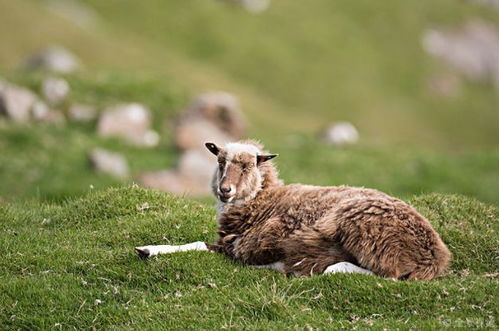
309 228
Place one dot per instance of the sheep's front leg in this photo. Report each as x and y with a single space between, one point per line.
347 268
148 251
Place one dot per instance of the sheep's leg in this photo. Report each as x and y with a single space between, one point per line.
347 268
148 251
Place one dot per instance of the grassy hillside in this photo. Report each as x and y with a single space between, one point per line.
295 67
50 163
58 260
325 60
66 239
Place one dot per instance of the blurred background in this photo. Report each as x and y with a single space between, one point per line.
402 96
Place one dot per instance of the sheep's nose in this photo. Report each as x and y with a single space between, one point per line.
225 189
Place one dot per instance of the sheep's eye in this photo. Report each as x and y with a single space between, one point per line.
244 167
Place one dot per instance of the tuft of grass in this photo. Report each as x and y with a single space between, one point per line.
72 265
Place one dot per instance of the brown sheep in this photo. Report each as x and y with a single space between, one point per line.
307 230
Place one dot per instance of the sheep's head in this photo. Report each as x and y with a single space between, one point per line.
242 171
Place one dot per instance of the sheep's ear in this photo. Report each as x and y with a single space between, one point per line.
265 157
213 148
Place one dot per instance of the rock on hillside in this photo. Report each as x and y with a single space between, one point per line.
16 102
473 49
128 121
212 115
53 58
191 177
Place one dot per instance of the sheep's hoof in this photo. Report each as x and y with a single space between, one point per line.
143 253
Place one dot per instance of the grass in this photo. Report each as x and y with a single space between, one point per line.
67 241
295 67
58 259
40 161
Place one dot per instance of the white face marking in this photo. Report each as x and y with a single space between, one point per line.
236 148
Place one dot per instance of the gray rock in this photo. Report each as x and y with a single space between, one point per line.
254 6
212 115
195 133
53 58
109 163
491 3
40 111
191 176
197 166
130 122
16 102
473 49
82 113
55 90
340 133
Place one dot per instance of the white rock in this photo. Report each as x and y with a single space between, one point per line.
40 111
82 113
211 116
195 133
221 109
473 49
53 58
191 177
110 163
492 3
16 102
130 122
254 6
55 90
197 166
151 138
341 133
171 181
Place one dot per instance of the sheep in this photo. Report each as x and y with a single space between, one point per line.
306 230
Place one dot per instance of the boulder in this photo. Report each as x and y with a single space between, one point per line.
191 177
130 122
197 166
491 3
254 6
195 133
110 163
473 49
340 133
82 113
55 90
40 111
16 102
54 59
212 116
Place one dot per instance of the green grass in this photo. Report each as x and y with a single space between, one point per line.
295 67
66 240
50 163
59 258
